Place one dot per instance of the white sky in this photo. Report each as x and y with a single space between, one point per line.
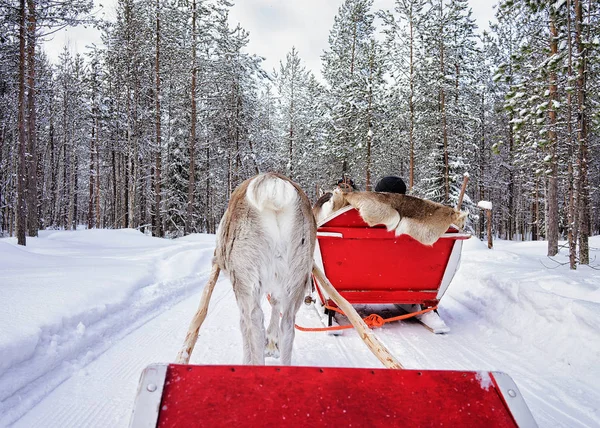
274 25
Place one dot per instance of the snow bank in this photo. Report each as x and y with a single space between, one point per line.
546 311
67 290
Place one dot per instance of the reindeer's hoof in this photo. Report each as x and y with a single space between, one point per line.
271 349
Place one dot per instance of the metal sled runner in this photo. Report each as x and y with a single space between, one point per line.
369 265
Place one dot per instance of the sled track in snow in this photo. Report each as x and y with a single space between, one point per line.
104 391
25 384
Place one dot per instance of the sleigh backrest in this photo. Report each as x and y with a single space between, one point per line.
371 265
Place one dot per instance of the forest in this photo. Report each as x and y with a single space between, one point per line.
154 128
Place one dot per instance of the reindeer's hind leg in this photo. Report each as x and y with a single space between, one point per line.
252 325
290 307
272 346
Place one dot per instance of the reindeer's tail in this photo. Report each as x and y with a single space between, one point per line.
272 192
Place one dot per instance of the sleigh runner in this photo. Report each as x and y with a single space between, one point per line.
371 265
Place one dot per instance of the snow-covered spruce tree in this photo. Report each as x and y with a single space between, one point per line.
292 85
229 107
404 61
94 87
507 38
483 102
548 101
539 111
175 72
317 117
583 43
156 211
300 122
535 105
9 54
40 18
447 85
347 68
130 56
591 29
264 132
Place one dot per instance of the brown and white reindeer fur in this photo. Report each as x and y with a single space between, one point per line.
265 244
424 220
328 203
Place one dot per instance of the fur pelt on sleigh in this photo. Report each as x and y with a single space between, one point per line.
422 219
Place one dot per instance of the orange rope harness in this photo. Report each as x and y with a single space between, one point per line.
373 320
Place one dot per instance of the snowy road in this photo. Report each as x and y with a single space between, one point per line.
500 310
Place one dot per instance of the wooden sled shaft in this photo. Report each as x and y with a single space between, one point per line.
365 333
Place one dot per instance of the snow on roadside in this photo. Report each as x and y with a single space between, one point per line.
72 294
556 311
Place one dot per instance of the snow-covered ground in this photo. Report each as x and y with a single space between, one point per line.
82 313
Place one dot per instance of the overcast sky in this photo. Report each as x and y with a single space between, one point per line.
274 25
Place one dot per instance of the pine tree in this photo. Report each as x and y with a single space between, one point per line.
346 67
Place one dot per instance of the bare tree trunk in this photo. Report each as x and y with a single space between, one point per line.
2 208
192 143
135 164
32 193
22 170
291 129
126 184
481 163
53 196
535 210
93 216
411 106
443 112
511 181
584 218
91 178
157 223
115 194
572 228
97 170
62 202
370 117
208 207
552 220
489 229
72 217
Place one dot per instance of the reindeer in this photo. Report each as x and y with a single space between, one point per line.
265 244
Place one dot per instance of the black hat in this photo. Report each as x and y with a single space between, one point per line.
391 184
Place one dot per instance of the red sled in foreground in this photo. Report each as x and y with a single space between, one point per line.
272 396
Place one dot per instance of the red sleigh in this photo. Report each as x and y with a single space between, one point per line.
369 265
